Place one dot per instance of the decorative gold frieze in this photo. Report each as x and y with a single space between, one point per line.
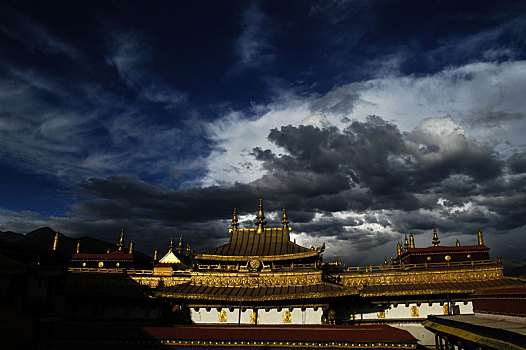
421 276
256 280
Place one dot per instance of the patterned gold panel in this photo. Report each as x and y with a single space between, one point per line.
222 316
414 311
287 317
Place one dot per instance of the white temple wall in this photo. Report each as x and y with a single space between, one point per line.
272 316
402 311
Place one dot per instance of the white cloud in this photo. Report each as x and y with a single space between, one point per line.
456 92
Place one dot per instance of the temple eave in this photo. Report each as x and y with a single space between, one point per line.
243 294
245 258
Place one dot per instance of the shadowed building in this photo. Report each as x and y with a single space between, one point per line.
261 277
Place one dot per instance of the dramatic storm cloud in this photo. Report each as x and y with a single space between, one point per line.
368 119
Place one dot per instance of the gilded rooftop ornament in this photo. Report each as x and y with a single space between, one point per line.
479 235
78 246
435 241
121 240
155 252
235 223
285 220
260 219
411 240
406 242
171 247
55 241
457 243
131 247
180 245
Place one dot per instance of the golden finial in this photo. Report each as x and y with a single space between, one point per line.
398 248
180 245
78 246
235 223
435 236
188 249
385 260
336 259
131 247
479 235
55 241
457 243
121 240
155 254
406 242
171 244
285 220
411 240
108 250
260 219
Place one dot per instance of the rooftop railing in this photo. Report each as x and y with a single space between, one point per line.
421 266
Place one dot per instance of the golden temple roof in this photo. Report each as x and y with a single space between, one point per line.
170 258
270 245
260 293
451 287
267 244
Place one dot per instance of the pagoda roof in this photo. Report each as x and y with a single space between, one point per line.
253 293
272 244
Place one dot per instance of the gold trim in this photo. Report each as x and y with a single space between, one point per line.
470 336
215 257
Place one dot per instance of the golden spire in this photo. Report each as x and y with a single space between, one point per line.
411 240
285 220
385 261
78 246
235 223
121 240
260 219
171 244
108 250
55 241
336 259
131 247
188 249
180 245
398 248
406 242
479 235
457 243
435 236
155 254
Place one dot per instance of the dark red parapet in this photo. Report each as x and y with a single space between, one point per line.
306 336
500 301
291 333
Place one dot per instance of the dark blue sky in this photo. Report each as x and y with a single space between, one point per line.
369 119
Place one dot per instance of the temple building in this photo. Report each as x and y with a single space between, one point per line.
261 277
